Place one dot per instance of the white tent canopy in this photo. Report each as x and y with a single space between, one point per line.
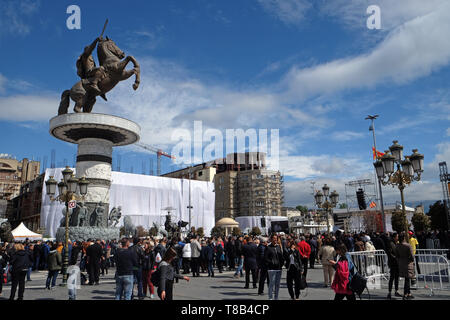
22 232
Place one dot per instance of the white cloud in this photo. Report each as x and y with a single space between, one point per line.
288 11
2 83
412 50
448 132
353 14
28 108
346 135
14 15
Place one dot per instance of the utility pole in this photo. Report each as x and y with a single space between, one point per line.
372 128
190 206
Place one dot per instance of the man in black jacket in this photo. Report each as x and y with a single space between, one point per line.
137 270
20 261
230 250
262 268
94 254
250 253
125 260
273 257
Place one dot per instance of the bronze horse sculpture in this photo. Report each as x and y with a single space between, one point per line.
112 72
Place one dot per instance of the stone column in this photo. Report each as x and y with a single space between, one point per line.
94 159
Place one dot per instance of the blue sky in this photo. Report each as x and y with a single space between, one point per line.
311 69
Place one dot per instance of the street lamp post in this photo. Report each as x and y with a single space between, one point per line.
67 189
327 205
408 169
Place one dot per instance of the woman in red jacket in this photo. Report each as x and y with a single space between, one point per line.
344 271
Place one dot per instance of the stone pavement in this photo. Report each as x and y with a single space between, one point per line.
222 287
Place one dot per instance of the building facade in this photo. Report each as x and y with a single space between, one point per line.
201 172
245 187
14 173
26 207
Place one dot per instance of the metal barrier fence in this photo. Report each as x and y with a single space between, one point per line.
432 272
373 265
442 252
432 269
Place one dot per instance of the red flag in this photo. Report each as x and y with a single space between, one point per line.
377 154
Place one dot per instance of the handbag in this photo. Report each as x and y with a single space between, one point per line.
303 283
358 284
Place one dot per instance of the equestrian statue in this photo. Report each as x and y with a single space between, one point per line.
97 81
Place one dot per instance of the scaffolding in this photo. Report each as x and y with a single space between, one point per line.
351 199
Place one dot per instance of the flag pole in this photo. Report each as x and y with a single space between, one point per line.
372 128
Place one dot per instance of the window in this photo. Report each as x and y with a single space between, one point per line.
259 176
221 180
259 203
200 173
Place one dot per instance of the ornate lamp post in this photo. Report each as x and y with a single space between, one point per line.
410 170
327 205
67 187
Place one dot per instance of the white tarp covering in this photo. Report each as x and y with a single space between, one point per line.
255 221
21 233
144 199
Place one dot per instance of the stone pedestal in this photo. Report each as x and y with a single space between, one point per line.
85 233
96 135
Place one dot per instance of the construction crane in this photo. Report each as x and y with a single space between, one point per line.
445 180
158 152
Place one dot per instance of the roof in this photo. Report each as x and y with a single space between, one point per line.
22 232
226 222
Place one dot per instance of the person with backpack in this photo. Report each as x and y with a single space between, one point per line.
20 261
165 275
344 270
54 262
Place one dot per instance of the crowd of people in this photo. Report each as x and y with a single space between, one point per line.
146 263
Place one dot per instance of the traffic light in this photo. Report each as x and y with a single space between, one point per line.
361 199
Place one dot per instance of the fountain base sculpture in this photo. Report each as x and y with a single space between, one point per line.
95 135
85 233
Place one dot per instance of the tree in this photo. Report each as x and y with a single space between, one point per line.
342 206
421 222
438 216
236 231
153 231
398 221
255 231
140 232
217 232
200 232
301 208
